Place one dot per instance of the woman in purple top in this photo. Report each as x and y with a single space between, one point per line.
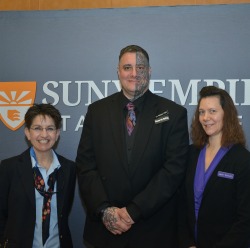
215 207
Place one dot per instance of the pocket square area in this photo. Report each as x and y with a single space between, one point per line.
226 175
162 117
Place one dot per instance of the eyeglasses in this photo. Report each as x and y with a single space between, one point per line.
39 129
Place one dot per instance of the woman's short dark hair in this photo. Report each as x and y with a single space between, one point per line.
44 109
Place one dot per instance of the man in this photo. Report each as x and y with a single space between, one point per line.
129 175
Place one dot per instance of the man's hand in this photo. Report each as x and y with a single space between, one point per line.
117 220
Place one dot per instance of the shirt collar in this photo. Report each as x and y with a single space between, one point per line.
138 102
55 163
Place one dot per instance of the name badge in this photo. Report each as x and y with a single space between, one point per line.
161 117
226 175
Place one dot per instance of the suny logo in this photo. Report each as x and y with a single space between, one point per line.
15 99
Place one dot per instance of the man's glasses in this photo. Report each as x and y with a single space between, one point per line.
39 129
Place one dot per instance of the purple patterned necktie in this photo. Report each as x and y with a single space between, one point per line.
131 118
39 184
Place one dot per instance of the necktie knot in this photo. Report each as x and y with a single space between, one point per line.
130 106
131 118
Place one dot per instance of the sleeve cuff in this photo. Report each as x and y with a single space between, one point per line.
101 209
134 212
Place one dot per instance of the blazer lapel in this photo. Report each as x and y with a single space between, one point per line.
116 123
26 176
61 187
214 177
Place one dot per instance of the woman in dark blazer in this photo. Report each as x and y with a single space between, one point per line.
215 210
33 211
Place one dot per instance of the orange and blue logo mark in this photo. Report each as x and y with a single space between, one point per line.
15 99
